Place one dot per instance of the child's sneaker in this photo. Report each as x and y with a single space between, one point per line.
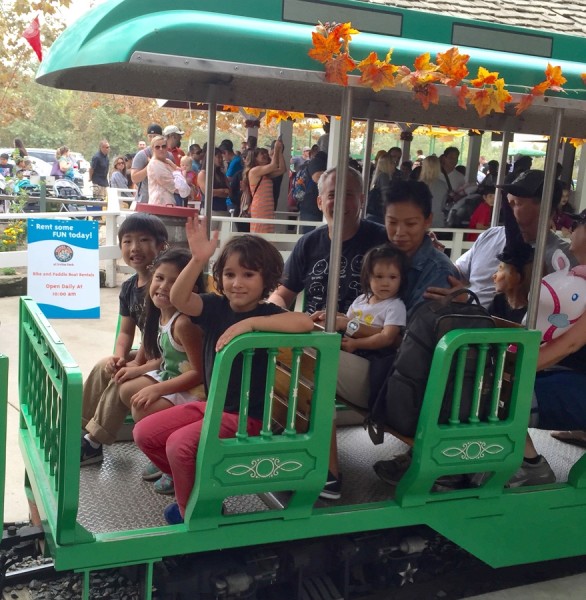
89 454
165 485
333 487
172 514
151 472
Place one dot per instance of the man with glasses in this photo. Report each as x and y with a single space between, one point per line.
138 171
99 168
173 135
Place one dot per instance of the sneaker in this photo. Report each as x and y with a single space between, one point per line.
165 485
539 473
391 471
172 514
151 472
89 454
333 487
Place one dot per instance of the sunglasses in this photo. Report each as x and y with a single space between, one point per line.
161 146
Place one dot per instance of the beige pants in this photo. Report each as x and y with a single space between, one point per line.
353 379
103 412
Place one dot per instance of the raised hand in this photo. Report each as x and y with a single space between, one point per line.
201 247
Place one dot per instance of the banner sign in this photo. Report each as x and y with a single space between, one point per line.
63 268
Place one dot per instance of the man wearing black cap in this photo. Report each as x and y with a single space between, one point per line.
478 265
138 171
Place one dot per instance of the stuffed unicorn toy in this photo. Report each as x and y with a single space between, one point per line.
562 297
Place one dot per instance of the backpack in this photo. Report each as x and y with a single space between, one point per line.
461 211
399 402
301 182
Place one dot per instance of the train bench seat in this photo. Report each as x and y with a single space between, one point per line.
449 448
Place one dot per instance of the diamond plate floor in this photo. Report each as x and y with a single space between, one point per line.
113 497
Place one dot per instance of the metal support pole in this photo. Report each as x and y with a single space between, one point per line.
209 193
544 216
368 140
339 204
43 194
496 209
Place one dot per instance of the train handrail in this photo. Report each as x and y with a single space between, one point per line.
50 391
3 424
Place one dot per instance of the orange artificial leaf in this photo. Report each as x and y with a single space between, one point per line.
577 142
324 48
337 69
583 76
554 77
377 74
282 115
462 96
426 94
253 112
481 102
525 102
540 88
344 32
452 65
484 77
230 108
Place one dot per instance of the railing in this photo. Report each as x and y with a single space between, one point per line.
50 391
287 232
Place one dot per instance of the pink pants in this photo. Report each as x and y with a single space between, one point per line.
170 438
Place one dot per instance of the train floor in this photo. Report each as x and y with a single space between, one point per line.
113 497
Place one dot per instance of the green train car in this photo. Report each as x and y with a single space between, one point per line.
254 492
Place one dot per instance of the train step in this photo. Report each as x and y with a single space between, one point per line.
319 587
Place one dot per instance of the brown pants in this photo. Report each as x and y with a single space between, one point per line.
103 412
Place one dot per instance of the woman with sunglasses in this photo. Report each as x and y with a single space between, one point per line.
160 174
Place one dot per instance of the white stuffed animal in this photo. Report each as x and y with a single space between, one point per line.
562 297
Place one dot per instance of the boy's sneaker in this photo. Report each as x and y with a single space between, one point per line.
165 485
151 472
89 454
172 514
539 473
391 471
333 487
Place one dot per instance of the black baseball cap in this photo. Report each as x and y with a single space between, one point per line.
154 129
530 185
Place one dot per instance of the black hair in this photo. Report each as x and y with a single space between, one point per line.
256 254
179 257
415 192
387 253
486 189
450 150
144 223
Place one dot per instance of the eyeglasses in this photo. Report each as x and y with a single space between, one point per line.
120 163
161 146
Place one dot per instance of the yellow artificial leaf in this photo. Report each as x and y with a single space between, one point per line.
501 95
484 77
481 102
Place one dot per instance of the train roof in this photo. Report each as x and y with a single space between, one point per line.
254 53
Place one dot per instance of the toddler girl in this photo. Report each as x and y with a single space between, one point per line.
247 270
373 324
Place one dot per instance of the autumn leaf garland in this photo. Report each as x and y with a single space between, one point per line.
487 92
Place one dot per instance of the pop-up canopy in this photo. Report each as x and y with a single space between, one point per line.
254 53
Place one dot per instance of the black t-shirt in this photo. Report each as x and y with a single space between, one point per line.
215 318
132 300
307 267
499 307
